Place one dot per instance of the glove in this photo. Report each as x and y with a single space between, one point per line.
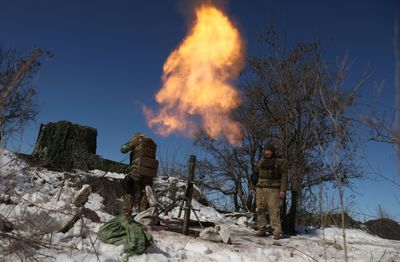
125 148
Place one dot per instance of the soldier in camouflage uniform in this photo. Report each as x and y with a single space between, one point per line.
270 182
143 168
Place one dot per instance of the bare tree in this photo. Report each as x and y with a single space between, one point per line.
396 46
337 152
229 168
384 128
17 107
295 92
171 164
383 213
16 89
286 94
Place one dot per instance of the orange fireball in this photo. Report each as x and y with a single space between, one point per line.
197 79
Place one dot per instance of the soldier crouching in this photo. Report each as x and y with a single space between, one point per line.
143 168
270 182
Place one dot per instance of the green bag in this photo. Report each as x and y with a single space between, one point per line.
121 230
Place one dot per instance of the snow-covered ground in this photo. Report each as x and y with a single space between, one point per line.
38 202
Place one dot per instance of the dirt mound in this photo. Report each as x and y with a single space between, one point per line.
384 228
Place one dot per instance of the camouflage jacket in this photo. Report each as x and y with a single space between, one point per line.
270 173
141 145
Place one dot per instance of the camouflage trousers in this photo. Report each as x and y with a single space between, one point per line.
135 196
268 198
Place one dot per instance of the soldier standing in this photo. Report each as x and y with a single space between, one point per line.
143 168
270 182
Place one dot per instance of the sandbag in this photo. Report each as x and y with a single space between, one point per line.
123 231
149 217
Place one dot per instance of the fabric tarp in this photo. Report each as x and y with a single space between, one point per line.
123 231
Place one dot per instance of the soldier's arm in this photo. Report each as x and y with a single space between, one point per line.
134 142
284 177
129 146
254 177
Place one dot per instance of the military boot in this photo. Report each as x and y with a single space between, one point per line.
261 233
277 236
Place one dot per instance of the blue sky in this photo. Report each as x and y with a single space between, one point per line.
108 58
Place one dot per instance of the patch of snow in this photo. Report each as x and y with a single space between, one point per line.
35 198
95 202
195 246
41 204
101 173
203 212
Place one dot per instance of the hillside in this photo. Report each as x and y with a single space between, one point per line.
35 203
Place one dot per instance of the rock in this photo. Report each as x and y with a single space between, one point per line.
210 234
219 233
223 231
6 226
242 221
